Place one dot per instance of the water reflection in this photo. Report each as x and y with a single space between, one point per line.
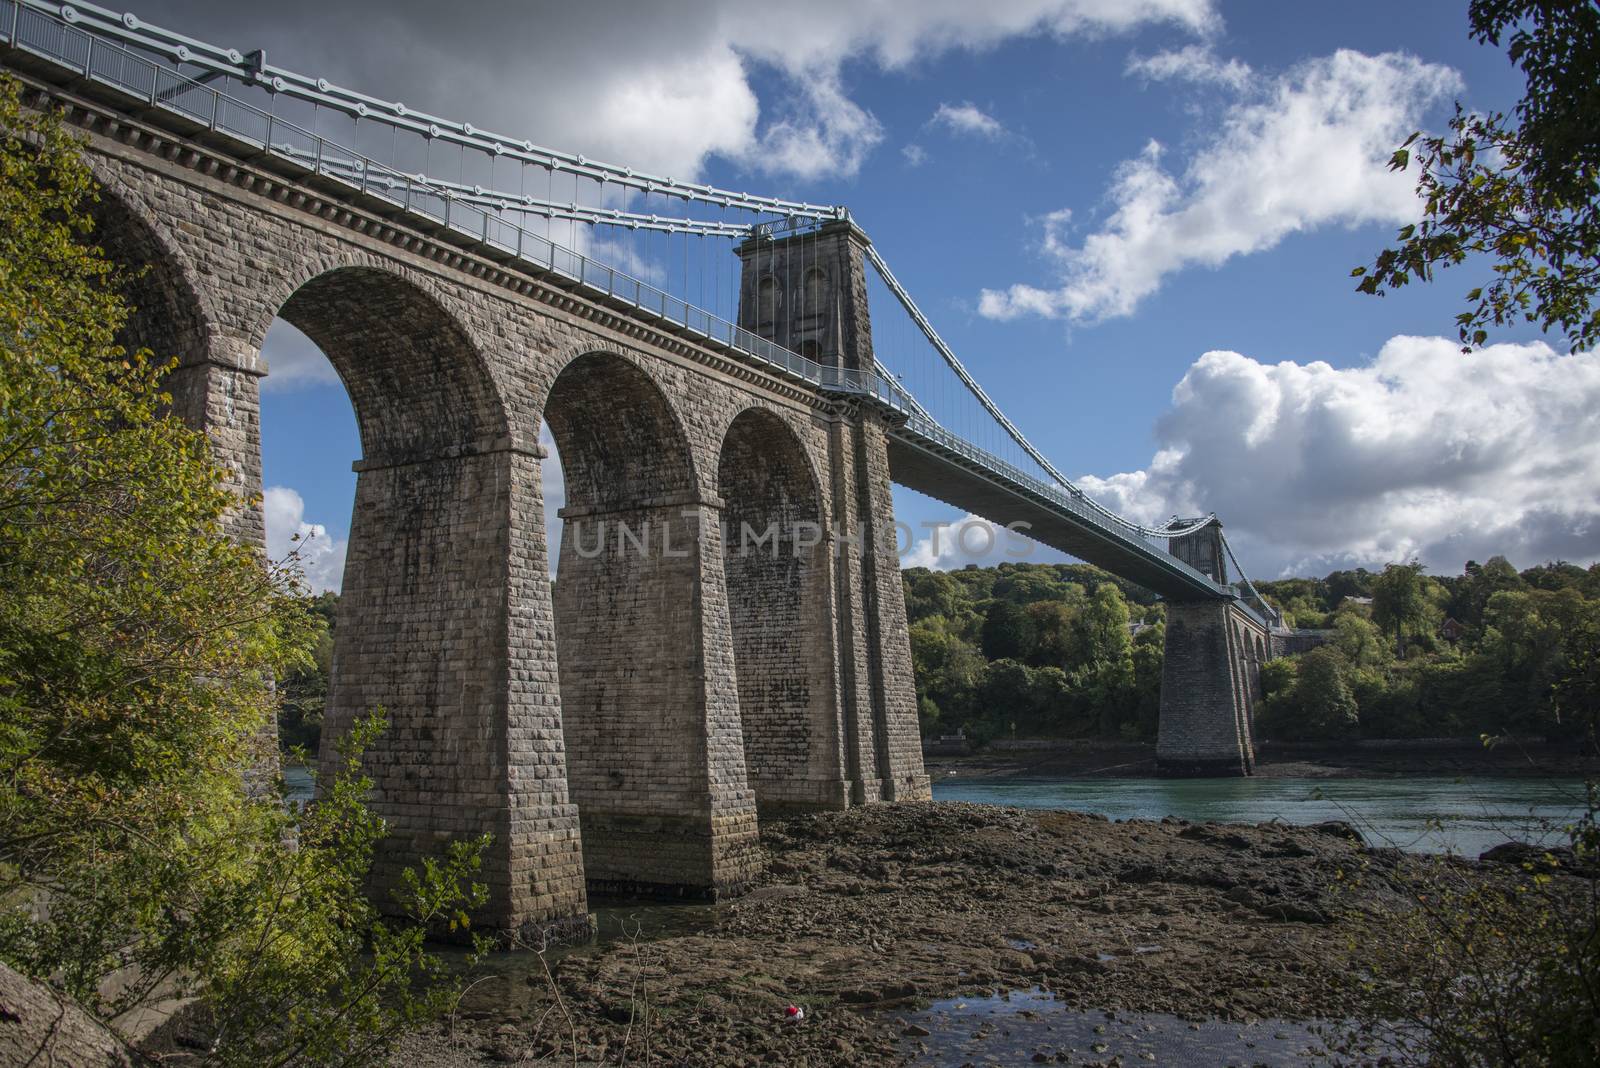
1021 1027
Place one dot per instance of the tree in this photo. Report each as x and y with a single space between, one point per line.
1399 602
1009 633
138 645
1359 639
1522 190
1319 706
1478 583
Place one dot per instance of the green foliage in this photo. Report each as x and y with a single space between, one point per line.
138 645
1522 191
1040 650
303 687
1318 706
1009 632
1359 639
1278 677
1528 638
1473 968
1404 601
1527 664
299 966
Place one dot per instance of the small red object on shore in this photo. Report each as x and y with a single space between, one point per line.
794 1014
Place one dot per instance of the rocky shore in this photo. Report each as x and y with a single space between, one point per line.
862 917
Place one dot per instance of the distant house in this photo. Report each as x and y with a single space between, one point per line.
1452 629
1358 600
1136 626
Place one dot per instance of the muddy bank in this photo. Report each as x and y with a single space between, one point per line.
864 917
1371 759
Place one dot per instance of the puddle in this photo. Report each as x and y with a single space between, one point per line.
1030 1026
507 985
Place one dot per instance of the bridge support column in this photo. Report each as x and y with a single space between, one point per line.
650 701
445 624
883 743
223 398
1205 727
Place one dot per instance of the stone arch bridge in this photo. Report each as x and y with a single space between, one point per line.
625 729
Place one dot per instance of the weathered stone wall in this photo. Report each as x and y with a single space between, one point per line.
1210 683
820 307
897 735
775 551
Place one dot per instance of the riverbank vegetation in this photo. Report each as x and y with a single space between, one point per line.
1492 651
1068 651
1493 964
146 860
1034 650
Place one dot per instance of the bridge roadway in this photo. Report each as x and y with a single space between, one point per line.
922 462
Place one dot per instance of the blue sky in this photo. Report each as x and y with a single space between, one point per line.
1134 220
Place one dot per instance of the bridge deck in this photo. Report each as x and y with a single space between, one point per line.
924 464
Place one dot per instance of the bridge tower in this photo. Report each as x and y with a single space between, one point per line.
1210 679
808 292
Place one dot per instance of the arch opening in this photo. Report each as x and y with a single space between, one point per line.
775 563
629 633
418 628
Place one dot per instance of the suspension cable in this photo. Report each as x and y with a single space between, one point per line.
253 69
1006 424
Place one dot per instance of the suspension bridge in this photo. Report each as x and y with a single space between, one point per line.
700 354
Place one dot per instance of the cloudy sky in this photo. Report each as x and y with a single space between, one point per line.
1135 219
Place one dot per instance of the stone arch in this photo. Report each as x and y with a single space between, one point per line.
777 573
418 382
1248 676
622 442
649 715
169 312
421 620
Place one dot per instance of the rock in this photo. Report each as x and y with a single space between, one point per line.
37 1026
1523 853
1337 829
916 1031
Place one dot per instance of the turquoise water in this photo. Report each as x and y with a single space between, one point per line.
1417 813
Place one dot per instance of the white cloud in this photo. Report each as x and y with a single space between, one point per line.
321 556
968 118
826 134
1192 63
1422 452
915 155
1309 149
293 360
658 86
